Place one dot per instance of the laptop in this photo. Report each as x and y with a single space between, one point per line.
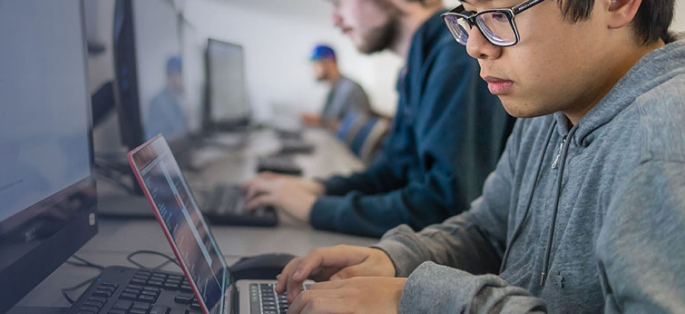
191 240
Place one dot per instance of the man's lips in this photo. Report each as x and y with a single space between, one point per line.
498 86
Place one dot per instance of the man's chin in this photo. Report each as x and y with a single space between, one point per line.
521 109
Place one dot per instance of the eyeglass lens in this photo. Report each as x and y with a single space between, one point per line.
495 26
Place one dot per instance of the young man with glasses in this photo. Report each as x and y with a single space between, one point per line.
585 211
447 134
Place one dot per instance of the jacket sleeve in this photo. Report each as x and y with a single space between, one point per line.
442 131
377 178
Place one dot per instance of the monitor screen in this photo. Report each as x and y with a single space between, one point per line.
227 88
46 184
149 71
193 75
180 216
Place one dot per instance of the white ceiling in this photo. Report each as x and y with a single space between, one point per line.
317 11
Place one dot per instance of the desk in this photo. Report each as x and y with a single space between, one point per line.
117 238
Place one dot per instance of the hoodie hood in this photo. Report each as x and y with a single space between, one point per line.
658 66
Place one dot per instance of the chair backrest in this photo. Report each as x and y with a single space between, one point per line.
363 134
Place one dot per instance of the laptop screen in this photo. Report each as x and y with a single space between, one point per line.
182 221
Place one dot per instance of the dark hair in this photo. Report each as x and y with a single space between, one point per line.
651 21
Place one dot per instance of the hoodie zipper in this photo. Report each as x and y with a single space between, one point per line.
559 162
555 164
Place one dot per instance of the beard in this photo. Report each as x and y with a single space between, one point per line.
380 38
322 77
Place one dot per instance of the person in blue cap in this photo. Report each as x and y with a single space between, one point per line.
165 112
344 97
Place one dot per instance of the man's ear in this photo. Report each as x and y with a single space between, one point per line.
622 12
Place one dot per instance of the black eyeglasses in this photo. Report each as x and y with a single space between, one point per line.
497 25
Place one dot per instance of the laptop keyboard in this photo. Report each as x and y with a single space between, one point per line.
123 290
265 300
226 199
225 204
278 164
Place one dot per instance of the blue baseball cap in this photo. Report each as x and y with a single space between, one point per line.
174 65
322 52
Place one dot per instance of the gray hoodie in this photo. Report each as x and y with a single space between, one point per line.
588 218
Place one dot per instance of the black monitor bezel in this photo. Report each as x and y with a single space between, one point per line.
210 123
131 126
20 276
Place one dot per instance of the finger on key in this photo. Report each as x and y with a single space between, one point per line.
324 303
261 200
283 277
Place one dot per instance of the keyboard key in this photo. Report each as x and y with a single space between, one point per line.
141 306
150 292
128 296
155 283
170 286
184 299
186 288
100 300
138 281
136 311
147 298
116 311
101 293
96 304
159 309
195 306
123 304
85 312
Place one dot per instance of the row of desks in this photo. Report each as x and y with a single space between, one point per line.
117 238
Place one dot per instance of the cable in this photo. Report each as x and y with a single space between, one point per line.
65 291
168 261
83 263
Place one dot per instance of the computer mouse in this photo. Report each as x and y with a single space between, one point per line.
264 266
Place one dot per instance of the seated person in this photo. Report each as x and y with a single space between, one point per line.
586 210
345 96
447 135
165 113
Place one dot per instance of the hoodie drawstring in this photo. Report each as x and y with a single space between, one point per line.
550 237
519 228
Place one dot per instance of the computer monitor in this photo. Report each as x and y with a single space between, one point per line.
47 186
193 74
149 73
227 106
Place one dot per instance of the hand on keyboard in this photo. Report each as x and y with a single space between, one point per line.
284 193
333 263
355 295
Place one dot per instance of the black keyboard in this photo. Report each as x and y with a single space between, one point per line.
125 290
265 300
289 134
225 205
278 164
296 147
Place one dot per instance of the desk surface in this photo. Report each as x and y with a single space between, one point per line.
117 238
